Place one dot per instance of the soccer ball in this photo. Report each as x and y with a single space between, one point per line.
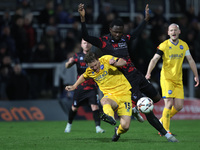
145 105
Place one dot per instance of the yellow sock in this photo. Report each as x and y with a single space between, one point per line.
107 109
166 118
121 130
173 111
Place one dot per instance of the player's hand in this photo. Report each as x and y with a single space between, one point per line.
148 76
81 10
71 60
70 88
112 61
196 79
147 16
69 63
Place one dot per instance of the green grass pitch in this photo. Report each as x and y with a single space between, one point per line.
49 135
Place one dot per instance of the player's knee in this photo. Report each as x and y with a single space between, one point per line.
125 126
74 108
94 107
157 98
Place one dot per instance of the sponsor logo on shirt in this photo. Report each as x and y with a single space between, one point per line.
122 45
176 56
101 76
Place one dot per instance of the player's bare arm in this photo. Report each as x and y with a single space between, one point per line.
147 16
194 69
80 80
121 62
69 63
152 65
81 11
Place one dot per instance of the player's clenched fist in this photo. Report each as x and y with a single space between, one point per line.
69 88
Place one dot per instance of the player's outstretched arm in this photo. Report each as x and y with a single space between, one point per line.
91 39
138 30
81 11
147 16
80 80
121 62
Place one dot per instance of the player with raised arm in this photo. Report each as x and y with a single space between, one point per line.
173 51
86 93
117 44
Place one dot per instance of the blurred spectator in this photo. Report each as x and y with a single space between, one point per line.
61 52
63 17
138 19
183 25
159 25
70 41
18 85
25 5
19 34
158 17
46 13
30 31
145 50
51 39
105 9
18 14
5 72
3 51
191 43
41 53
39 76
106 25
89 17
5 19
8 41
191 14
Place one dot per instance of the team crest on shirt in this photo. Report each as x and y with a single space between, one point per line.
102 66
81 58
181 46
170 47
170 92
92 73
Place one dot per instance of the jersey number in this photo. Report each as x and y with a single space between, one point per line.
127 105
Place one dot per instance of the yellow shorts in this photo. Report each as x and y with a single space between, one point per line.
172 89
124 103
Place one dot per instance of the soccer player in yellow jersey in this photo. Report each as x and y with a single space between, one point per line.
173 51
115 87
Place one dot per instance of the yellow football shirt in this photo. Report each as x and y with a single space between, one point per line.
109 78
173 56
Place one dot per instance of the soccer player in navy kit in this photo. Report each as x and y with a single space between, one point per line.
86 93
116 44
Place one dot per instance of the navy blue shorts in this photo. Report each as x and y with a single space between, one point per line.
84 97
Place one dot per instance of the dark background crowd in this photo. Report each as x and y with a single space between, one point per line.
51 34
